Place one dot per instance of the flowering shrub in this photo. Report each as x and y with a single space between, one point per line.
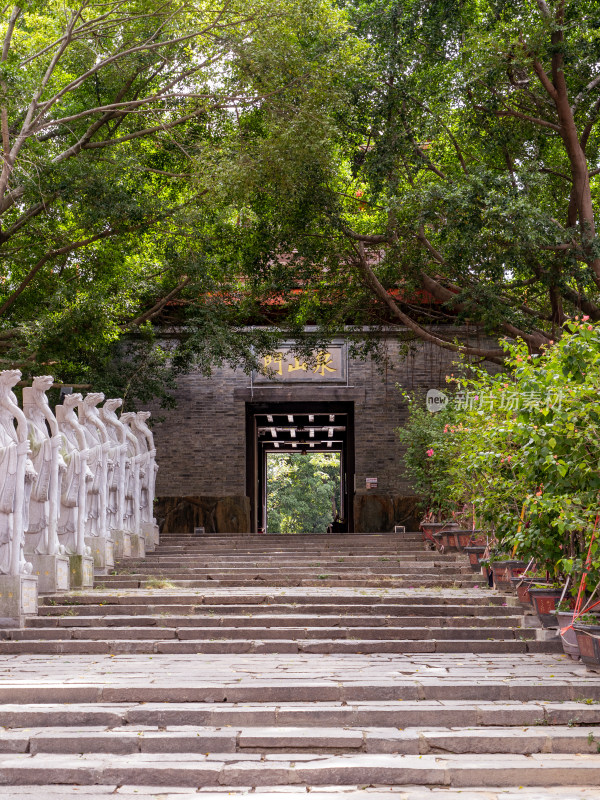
430 451
530 451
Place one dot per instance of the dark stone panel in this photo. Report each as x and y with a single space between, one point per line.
214 514
378 513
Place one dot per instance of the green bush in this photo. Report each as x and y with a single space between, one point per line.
530 451
431 449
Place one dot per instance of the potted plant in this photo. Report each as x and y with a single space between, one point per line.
522 583
475 554
568 636
544 598
587 631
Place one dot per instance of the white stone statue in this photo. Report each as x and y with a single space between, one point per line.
17 475
99 463
133 478
146 440
75 479
45 440
117 433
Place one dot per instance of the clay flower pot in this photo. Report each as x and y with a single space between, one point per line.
522 586
568 638
504 571
475 554
588 640
429 528
544 601
453 540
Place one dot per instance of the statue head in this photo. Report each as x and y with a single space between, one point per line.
142 416
9 378
92 399
43 382
71 400
127 417
113 403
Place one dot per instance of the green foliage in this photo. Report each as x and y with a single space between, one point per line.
448 171
431 450
303 492
121 199
530 448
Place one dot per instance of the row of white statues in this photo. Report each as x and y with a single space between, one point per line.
76 474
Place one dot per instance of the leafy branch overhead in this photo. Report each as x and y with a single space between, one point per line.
115 118
466 174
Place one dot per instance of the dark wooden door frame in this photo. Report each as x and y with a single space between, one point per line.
254 459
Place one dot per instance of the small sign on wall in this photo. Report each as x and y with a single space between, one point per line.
371 483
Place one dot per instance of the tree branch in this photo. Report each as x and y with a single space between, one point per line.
495 356
152 312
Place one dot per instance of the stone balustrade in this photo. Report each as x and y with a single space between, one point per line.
76 490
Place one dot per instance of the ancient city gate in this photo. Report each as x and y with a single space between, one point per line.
212 447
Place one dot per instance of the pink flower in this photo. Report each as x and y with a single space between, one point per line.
590 328
508 458
430 452
585 319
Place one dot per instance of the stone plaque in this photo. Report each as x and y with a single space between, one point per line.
88 572
282 366
29 596
62 575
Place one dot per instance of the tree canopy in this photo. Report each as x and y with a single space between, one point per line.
121 122
465 173
183 182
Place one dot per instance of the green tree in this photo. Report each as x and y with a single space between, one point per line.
303 492
121 123
464 171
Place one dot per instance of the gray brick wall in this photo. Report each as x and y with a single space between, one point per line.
201 445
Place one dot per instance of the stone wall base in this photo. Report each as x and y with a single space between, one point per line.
138 548
122 543
81 570
52 572
18 599
103 553
151 535
214 514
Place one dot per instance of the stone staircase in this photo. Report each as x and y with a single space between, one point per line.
400 674
302 560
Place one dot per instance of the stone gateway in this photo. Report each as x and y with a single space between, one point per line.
211 447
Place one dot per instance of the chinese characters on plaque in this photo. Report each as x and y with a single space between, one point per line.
283 366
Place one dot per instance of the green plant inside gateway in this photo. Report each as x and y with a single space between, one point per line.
303 492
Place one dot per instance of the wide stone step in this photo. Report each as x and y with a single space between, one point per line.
409 741
183 567
468 601
118 582
154 644
262 619
368 714
32 792
263 632
196 770
269 690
